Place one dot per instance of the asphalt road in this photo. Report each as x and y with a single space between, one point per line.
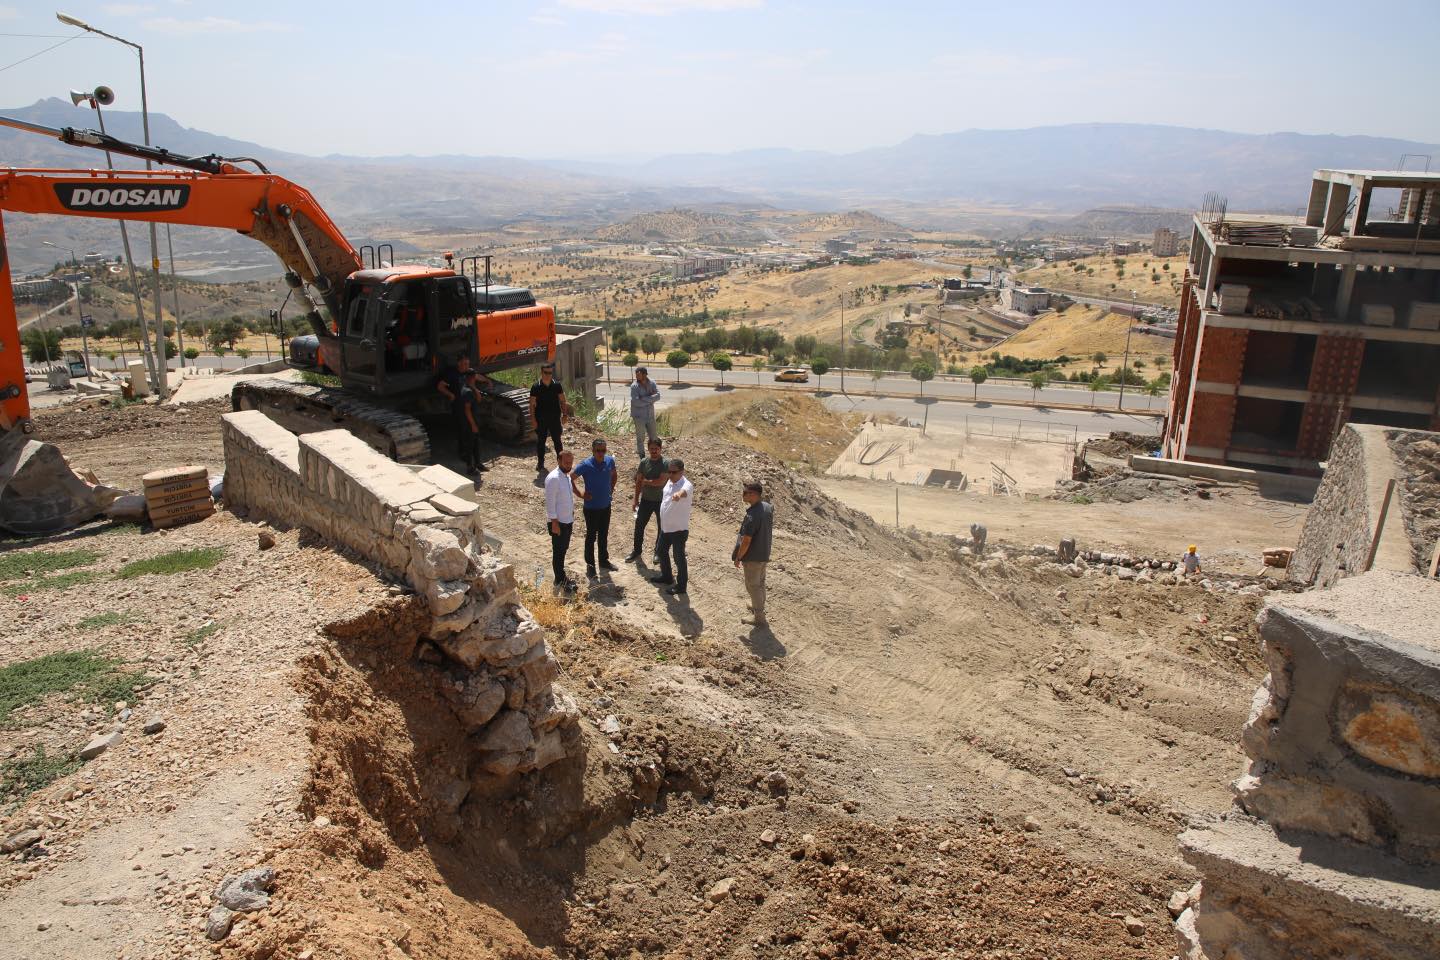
981 417
954 388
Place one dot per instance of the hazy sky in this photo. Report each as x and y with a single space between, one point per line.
589 78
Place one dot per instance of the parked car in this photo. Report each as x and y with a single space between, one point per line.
793 375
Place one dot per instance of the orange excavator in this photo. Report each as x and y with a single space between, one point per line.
384 330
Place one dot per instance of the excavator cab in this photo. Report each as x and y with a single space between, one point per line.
399 327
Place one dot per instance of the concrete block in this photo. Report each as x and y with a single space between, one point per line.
448 481
1349 715
452 505
1270 895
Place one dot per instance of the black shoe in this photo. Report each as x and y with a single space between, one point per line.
590 573
540 467
481 468
676 591
607 565
632 558
664 580
566 584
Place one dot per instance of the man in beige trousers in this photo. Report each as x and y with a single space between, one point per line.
752 548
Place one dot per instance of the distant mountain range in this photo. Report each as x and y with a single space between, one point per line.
976 179
1062 167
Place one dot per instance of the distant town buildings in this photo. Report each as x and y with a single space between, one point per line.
1028 300
1165 243
1290 327
697 268
1120 248
838 247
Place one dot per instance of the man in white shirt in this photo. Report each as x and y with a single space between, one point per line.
560 515
675 505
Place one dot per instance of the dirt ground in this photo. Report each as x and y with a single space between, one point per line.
921 757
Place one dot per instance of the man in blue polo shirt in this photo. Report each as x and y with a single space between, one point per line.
597 471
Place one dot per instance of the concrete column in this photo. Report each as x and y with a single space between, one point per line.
1335 207
1344 293
1315 212
1362 211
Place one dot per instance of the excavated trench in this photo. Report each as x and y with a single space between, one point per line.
672 837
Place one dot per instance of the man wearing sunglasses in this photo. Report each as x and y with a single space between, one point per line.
675 506
547 406
598 475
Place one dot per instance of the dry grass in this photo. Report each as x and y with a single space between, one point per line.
1107 280
795 428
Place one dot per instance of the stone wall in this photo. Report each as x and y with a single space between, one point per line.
420 527
1340 524
1335 848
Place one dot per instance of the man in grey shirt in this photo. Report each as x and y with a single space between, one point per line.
752 548
643 394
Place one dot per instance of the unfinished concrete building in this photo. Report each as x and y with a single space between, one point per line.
1290 327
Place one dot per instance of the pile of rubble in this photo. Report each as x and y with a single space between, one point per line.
482 650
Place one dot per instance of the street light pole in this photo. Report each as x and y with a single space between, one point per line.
842 341
94 100
161 386
1125 369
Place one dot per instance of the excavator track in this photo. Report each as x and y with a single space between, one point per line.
505 416
302 408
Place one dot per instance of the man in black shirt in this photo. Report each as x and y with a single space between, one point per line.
470 421
752 547
547 406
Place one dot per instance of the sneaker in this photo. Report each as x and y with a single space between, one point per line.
632 558
566 584
607 565
664 580
676 591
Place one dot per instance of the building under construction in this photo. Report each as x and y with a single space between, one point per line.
1292 326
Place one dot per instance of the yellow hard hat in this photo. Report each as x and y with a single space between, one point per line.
1192 548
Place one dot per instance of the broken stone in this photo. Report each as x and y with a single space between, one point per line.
217 925
510 733
1179 901
1134 926
777 783
265 540
721 890
436 554
768 838
549 749
1032 825
477 702
99 745
153 726
20 841
610 724
446 596
247 891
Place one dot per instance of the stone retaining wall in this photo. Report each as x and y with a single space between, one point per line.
498 670
1335 848
1340 524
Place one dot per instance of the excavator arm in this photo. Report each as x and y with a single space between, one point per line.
37 492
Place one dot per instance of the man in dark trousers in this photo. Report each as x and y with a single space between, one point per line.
547 406
597 473
452 383
560 515
650 479
470 422
675 504
752 548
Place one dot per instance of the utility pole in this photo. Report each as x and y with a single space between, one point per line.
1125 369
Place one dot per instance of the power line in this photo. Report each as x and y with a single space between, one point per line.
41 53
